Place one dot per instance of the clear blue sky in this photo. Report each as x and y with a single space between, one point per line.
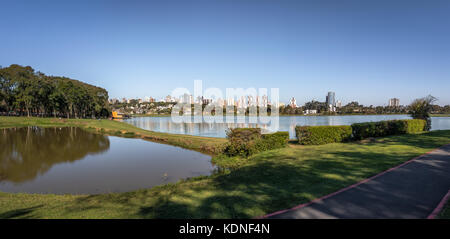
367 51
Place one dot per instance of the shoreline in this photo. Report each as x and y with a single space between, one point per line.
276 175
208 145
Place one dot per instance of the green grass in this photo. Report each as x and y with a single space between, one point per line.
111 127
440 115
445 213
151 115
261 184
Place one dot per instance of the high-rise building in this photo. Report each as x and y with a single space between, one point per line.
187 99
338 104
330 99
394 102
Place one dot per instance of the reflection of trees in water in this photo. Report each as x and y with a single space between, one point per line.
27 152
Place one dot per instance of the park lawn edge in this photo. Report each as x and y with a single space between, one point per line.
164 201
208 145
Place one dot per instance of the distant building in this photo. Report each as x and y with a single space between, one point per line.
338 104
206 101
394 102
293 103
308 112
230 101
169 99
187 99
113 101
330 99
264 101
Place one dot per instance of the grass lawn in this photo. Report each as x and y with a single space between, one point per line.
118 128
440 115
262 184
445 213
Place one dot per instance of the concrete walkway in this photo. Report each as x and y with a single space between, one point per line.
411 190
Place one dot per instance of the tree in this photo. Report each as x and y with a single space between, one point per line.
421 108
22 90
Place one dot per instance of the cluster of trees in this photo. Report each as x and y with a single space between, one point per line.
23 91
356 108
134 107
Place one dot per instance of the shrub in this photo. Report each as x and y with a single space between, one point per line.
385 128
243 134
416 125
421 108
247 141
314 135
241 141
129 135
272 141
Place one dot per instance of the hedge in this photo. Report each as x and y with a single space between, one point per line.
416 126
273 141
247 141
313 135
243 134
385 128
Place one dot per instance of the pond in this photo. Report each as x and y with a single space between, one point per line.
286 123
71 160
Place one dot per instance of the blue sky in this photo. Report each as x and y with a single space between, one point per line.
368 51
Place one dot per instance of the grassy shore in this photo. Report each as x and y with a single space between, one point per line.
440 115
117 128
445 213
151 115
263 183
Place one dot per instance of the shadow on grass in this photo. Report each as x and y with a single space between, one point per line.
19 213
271 181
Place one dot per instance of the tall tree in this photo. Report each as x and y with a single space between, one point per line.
421 108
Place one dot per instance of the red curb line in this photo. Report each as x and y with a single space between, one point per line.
349 187
440 206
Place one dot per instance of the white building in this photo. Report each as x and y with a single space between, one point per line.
293 103
394 102
309 112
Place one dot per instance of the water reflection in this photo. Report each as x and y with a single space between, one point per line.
286 123
71 160
28 152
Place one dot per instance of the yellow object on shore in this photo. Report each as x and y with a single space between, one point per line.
116 115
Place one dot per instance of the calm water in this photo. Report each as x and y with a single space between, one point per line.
71 160
286 123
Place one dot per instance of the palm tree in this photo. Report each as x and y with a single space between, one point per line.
420 109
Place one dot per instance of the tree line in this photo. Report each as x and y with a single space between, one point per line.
24 91
357 108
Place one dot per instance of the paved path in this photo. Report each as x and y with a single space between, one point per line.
412 190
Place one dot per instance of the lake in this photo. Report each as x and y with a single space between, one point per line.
286 123
71 160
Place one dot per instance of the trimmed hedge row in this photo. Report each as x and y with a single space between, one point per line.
316 135
247 141
385 128
323 134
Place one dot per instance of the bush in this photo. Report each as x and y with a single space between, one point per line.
241 141
385 128
416 125
272 141
247 141
243 134
314 135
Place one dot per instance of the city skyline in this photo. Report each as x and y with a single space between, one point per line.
336 103
366 51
